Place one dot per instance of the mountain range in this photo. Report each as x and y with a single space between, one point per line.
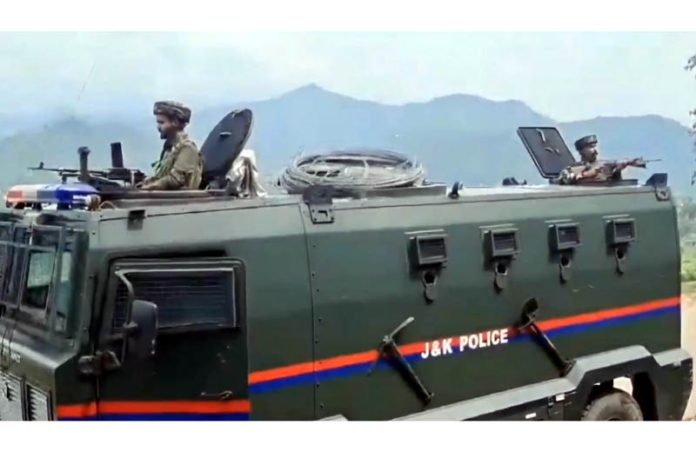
458 137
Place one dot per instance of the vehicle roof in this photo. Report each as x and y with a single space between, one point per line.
198 203
466 194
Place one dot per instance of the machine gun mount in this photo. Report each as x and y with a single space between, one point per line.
117 178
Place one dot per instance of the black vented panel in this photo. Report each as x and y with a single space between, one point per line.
503 243
431 249
621 231
38 408
182 298
10 398
624 231
566 236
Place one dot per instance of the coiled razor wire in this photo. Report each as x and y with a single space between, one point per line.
352 170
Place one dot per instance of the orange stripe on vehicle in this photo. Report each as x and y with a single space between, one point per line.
154 407
174 406
281 372
418 347
346 360
598 316
82 410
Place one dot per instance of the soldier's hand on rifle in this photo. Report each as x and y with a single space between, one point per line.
617 166
142 185
590 173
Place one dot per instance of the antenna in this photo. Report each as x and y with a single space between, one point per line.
84 86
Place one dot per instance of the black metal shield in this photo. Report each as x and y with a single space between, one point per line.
224 144
547 149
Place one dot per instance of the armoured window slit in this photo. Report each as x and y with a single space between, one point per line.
568 235
565 237
196 297
505 241
431 249
624 230
621 231
434 248
502 243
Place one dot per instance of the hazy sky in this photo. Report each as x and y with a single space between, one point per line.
566 76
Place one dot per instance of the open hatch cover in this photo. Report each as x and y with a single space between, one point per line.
547 149
223 145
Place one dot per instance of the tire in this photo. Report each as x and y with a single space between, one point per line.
614 405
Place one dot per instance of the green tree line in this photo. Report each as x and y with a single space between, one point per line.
686 210
691 66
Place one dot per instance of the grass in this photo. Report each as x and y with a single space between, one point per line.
688 272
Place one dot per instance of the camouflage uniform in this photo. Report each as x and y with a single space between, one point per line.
591 169
572 174
180 166
599 172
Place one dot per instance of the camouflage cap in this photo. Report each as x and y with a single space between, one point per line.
173 110
583 142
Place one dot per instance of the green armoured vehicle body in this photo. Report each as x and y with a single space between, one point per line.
274 308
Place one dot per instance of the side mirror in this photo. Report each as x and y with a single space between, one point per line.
142 342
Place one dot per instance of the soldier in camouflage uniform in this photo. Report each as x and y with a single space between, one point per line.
590 168
180 166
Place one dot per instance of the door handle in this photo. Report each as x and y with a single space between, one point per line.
224 395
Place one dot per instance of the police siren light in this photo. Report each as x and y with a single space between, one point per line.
69 195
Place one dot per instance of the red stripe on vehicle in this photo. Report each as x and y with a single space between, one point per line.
79 410
337 362
154 407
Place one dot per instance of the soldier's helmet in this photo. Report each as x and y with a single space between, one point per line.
589 140
173 110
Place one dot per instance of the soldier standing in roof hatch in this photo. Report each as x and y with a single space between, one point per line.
180 166
590 168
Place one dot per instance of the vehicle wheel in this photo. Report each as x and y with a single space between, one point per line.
614 405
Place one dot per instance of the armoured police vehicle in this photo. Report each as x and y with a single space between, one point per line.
419 302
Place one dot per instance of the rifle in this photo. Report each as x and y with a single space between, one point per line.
65 173
642 161
611 166
607 170
102 178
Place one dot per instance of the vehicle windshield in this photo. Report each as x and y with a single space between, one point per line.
35 273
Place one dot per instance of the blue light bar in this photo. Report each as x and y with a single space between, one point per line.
76 194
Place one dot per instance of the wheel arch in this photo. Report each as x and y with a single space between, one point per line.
594 376
645 394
